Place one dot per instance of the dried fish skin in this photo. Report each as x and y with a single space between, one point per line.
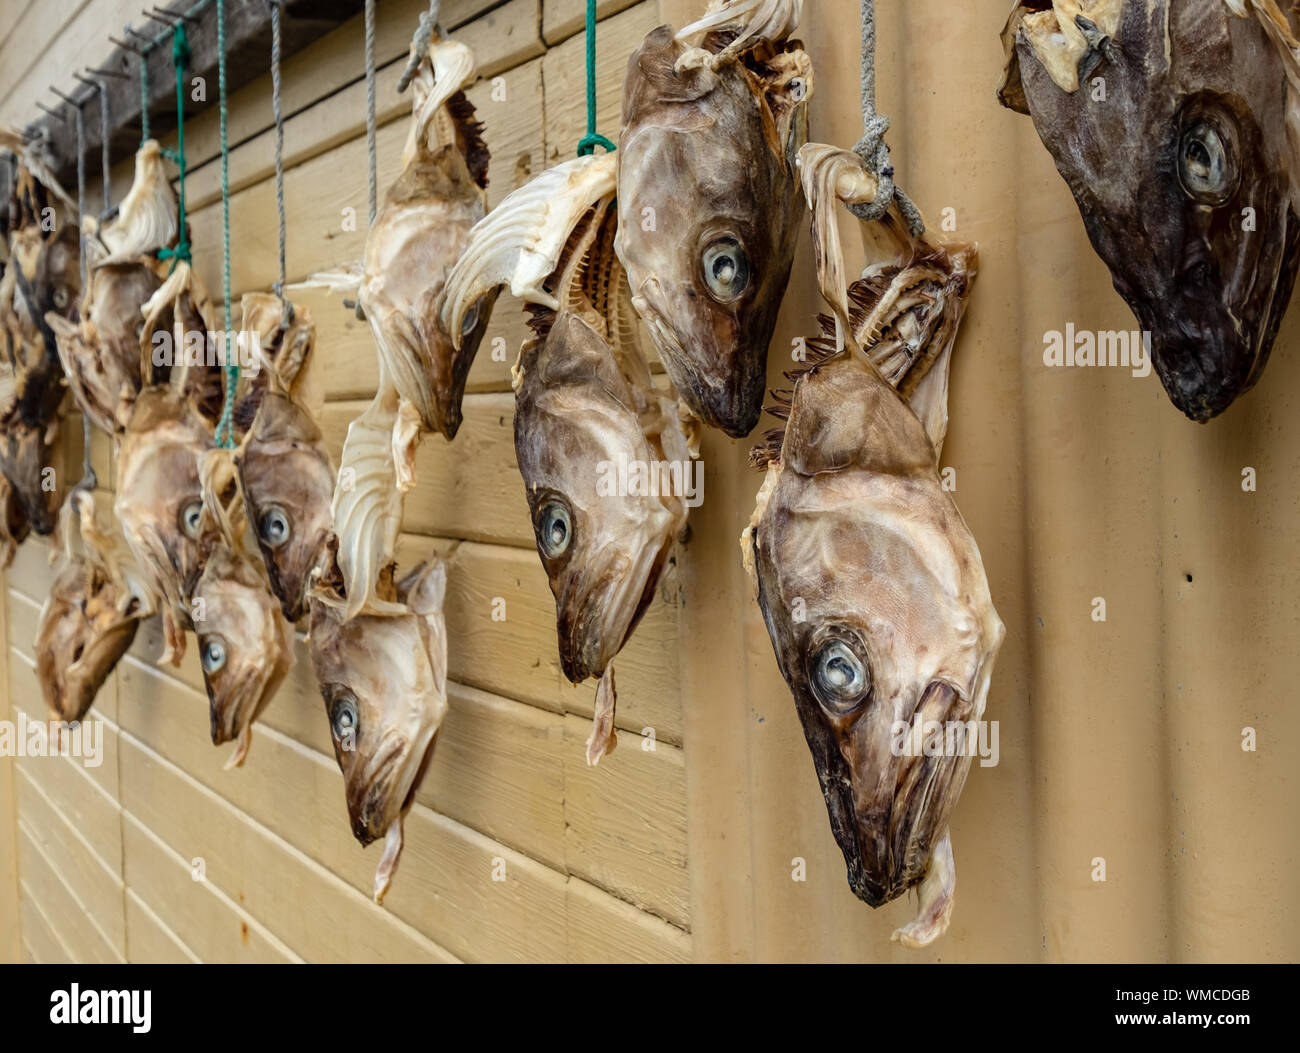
14 527
245 646
90 617
100 354
1199 129
159 501
709 211
27 462
418 235
576 414
876 602
383 679
148 216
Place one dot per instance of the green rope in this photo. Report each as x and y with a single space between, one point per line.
592 139
181 60
225 427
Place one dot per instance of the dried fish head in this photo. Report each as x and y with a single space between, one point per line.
576 427
287 481
159 499
100 354
383 677
82 634
13 523
709 211
45 275
876 602
419 234
1186 173
245 645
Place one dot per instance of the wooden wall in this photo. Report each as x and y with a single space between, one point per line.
1119 739
594 859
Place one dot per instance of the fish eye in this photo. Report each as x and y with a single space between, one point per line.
343 716
60 297
1204 168
554 529
191 518
726 269
471 319
273 527
840 679
212 653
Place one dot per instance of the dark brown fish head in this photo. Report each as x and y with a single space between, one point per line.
1183 172
576 434
245 645
709 212
27 461
159 499
14 527
84 630
383 678
875 599
287 482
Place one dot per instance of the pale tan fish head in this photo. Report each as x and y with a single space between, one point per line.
418 235
709 210
383 678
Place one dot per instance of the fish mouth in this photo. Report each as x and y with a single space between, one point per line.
236 707
86 676
897 819
593 624
386 793
723 389
1207 353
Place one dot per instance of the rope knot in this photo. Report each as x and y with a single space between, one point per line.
588 143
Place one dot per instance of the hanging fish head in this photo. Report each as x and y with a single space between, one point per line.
709 211
383 677
287 483
604 545
27 461
1172 123
245 645
159 499
85 628
875 599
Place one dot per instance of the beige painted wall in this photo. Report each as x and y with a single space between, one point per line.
1118 739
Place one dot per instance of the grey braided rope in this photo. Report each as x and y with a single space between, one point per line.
871 147
370 108
279 139
81 188
105 159
420 44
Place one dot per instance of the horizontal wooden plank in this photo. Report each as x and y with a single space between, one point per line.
501 39
207 921
42 944
271 880
564 73
80 798
78 930
92 880
149 939
604 929
326 197
561 19
625 822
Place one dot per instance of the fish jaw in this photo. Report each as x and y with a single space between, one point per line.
1210 291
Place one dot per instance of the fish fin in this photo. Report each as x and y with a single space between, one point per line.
148 217
407 430
367 504
389 860
521 242
603 737
448 67
934 900
345 279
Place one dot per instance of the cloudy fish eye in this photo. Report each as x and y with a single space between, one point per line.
273 527
726 269
212 653
840 678
554 529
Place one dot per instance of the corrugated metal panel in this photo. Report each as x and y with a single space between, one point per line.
1120 740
